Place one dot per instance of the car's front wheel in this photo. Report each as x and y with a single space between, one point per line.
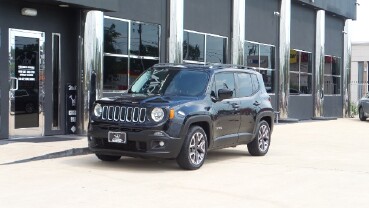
194 149
361 114
109 158
260 145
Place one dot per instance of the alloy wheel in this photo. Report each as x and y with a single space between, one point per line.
263 138
197 148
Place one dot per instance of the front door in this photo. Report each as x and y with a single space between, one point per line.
26 94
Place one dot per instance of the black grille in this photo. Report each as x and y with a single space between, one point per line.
125 114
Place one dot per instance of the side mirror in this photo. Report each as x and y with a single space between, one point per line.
224 94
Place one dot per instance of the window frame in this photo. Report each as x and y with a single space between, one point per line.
299 73
332 75
129 55
258 69
205 47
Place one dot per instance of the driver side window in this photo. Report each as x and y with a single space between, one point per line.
224 81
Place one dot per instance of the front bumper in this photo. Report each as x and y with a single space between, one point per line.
140 143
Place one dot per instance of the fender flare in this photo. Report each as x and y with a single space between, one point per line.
194 119
262 115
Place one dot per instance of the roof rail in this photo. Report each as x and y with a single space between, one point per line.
229 65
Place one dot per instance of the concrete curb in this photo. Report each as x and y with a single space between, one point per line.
54 155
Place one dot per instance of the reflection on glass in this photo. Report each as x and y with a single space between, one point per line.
336 69
193 46
25 105
268 78
245 83
225 81
328 65
137 66
306 62
252 54
294 60
306 83
332 85
216 49
294 83
171 82
267 57
115 36
115 73
144 39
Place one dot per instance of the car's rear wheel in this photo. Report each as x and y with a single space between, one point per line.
260 145
361 114
194 149
109 158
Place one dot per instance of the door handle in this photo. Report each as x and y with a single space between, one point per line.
256 103
16 83
235 105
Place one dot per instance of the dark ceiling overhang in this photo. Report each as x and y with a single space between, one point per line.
102 5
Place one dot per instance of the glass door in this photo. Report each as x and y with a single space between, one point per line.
26 94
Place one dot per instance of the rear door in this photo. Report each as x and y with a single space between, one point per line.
247 96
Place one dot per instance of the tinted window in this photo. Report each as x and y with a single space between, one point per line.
266 57
225 81
268 78
137 66
144 39
115 36
171 82
115 73
252 54
193 46
255 83
245 85
216 49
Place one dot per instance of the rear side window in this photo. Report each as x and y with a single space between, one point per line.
225 81
245 84
255 83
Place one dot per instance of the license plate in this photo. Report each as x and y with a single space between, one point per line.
117 137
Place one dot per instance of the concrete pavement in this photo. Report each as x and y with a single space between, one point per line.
309 164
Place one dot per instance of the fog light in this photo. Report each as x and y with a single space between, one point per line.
161 144
158 133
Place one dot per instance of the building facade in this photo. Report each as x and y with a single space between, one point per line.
359 71
57 57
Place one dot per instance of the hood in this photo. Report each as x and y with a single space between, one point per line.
140 99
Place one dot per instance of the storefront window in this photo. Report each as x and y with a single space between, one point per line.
261 57
300 72
216 50
115 73
115 36
193 46
204 48
144 39
332 75
122 67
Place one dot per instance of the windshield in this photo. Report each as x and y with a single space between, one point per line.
165 81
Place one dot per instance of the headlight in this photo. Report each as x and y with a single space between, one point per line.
157 114
98 110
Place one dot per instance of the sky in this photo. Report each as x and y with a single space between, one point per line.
360 27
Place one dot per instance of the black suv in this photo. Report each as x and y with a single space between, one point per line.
183 111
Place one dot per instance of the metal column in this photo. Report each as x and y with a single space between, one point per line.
92 65
319 64
284 58
176 31
347 70
238 34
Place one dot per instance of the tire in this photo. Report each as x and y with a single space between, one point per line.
194 149
260 145
361 114
109 158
